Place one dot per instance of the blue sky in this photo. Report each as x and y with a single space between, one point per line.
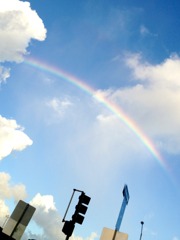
55 136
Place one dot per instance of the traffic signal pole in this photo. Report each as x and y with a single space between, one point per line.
77 217
68 205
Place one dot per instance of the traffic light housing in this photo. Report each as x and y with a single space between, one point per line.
68 228
81 208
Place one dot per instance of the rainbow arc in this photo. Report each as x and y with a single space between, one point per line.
113 107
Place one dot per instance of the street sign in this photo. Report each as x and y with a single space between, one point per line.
126 193
110 234
18 221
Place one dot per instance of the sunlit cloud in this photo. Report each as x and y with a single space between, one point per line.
9 191
165 74
153 99
47 217
12 137
19 24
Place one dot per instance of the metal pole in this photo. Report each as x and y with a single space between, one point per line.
68 205
74 190
67 237
141 229
123 207
121 213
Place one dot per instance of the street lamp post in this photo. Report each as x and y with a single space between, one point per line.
142 223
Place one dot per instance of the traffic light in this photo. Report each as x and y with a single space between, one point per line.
68 228
81 208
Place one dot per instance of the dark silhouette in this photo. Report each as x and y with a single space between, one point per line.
142 223
77 217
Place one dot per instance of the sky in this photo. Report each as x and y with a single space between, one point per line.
89 100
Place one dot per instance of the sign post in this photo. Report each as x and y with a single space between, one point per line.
110 234
123 207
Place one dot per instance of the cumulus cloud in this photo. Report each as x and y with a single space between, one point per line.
47 217
165 74
19 24
9 191
45 202
12 137
153 100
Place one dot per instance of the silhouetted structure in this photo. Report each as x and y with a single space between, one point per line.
77 217
142 223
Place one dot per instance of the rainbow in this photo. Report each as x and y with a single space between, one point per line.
113 107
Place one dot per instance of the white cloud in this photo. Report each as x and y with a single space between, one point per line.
47 217
12 137
8 191
153 101
19 24
45 202
166 74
